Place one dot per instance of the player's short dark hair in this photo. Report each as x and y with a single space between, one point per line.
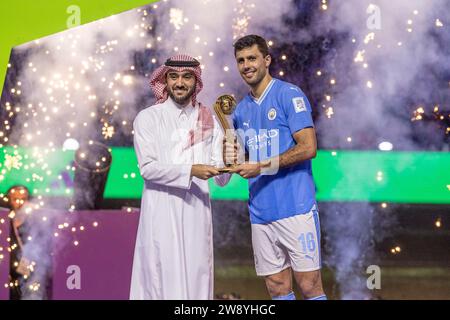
249 41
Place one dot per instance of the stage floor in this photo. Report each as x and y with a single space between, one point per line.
397 283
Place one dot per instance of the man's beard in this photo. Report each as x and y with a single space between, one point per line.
183 99
256 80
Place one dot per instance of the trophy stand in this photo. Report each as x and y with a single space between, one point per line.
224 108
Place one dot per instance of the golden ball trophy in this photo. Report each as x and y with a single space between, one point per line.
224 108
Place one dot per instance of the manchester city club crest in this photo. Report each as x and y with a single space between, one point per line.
272 114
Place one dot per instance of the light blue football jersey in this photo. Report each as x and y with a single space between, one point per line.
266 127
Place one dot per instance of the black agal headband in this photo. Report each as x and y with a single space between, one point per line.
178 63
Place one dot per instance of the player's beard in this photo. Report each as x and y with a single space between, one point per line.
256 79
181 99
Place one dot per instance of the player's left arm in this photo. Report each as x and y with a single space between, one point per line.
305 148
297 110
299 118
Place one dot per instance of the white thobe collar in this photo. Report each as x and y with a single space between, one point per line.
179 110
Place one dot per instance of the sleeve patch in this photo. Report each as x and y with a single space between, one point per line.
299 104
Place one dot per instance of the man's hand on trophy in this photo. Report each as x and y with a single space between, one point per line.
203 171
230 150
249 170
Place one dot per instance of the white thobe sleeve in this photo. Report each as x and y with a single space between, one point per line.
146 148
216 155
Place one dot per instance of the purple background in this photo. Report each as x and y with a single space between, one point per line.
104 255
4 263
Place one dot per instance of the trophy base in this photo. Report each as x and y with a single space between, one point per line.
225 169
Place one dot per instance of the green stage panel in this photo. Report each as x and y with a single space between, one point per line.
399 177
376 176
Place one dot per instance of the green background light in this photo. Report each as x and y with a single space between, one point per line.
398 177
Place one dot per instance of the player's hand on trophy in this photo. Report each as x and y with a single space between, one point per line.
230 150
248 170
203 171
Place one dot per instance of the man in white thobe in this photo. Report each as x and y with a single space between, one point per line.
178 144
